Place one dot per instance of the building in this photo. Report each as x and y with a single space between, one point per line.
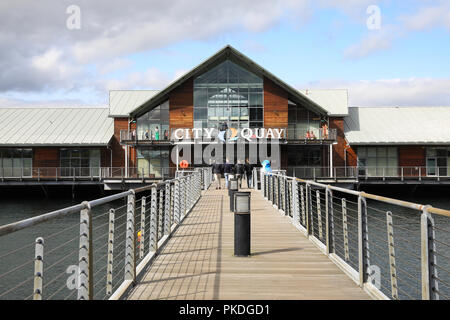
229 88
320 136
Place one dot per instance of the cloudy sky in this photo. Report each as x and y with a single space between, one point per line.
50 55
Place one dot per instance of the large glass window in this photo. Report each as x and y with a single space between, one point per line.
438 161
153 162
16 162
378 161
80 162
303 123
154 125
228 94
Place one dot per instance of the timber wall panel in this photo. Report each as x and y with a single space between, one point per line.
181 106
338 149
275 105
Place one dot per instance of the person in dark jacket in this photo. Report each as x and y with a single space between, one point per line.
217 170
240 171
227 170
248 173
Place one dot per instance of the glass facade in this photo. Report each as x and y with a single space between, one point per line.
228 94
302 121
438 161
377 159
16 162
80 162
153 162
154 125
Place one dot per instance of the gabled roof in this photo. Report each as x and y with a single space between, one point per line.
227 52
333 100
397 125
55 127
122 102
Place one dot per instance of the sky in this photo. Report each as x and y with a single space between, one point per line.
72 52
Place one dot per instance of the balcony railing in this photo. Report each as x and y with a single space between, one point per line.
311 135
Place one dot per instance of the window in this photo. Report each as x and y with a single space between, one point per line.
154 125
438 161
229 94
79 162
16 162
378 161
153 162
301 121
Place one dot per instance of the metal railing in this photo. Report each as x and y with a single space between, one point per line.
95 249
94 173
393 249
370 173
311 135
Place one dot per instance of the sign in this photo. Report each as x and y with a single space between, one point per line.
231 134
184 164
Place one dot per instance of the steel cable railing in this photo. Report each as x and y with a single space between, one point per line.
393 249
98 253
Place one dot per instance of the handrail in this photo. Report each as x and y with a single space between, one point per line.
358 236
143 226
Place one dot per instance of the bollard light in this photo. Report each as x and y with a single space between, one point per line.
233 184
241 223
242 202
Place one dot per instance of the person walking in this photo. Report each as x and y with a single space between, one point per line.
248 173
240 171
217 169
227 170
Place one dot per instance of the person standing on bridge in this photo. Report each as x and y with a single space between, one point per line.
248 173
217 170
227 170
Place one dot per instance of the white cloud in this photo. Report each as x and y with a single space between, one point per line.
429 17
392 92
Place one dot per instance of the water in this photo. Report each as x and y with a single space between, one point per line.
61 239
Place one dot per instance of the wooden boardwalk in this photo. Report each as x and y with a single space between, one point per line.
198 262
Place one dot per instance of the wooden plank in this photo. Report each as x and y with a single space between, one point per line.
198 261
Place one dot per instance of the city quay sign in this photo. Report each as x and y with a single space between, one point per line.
228 135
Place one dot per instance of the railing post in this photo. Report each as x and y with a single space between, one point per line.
167 215
85 267
319 214
130 249
172 202
109 266
309 224
363 240
294 202
345 229
329 220
302 199
153 221
142 237
38 268
392 265
420 173
401 169
177 201
161 217
428 257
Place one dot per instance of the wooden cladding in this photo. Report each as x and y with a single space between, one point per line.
411 156
275 105
118 153
181 106
46 157
338 149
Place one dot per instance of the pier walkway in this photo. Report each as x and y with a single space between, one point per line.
198 262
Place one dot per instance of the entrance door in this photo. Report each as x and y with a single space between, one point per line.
431 166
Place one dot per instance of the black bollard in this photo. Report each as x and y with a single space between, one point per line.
241 223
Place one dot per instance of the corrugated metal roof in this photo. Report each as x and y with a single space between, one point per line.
398 125
55 126
335 101
122 102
